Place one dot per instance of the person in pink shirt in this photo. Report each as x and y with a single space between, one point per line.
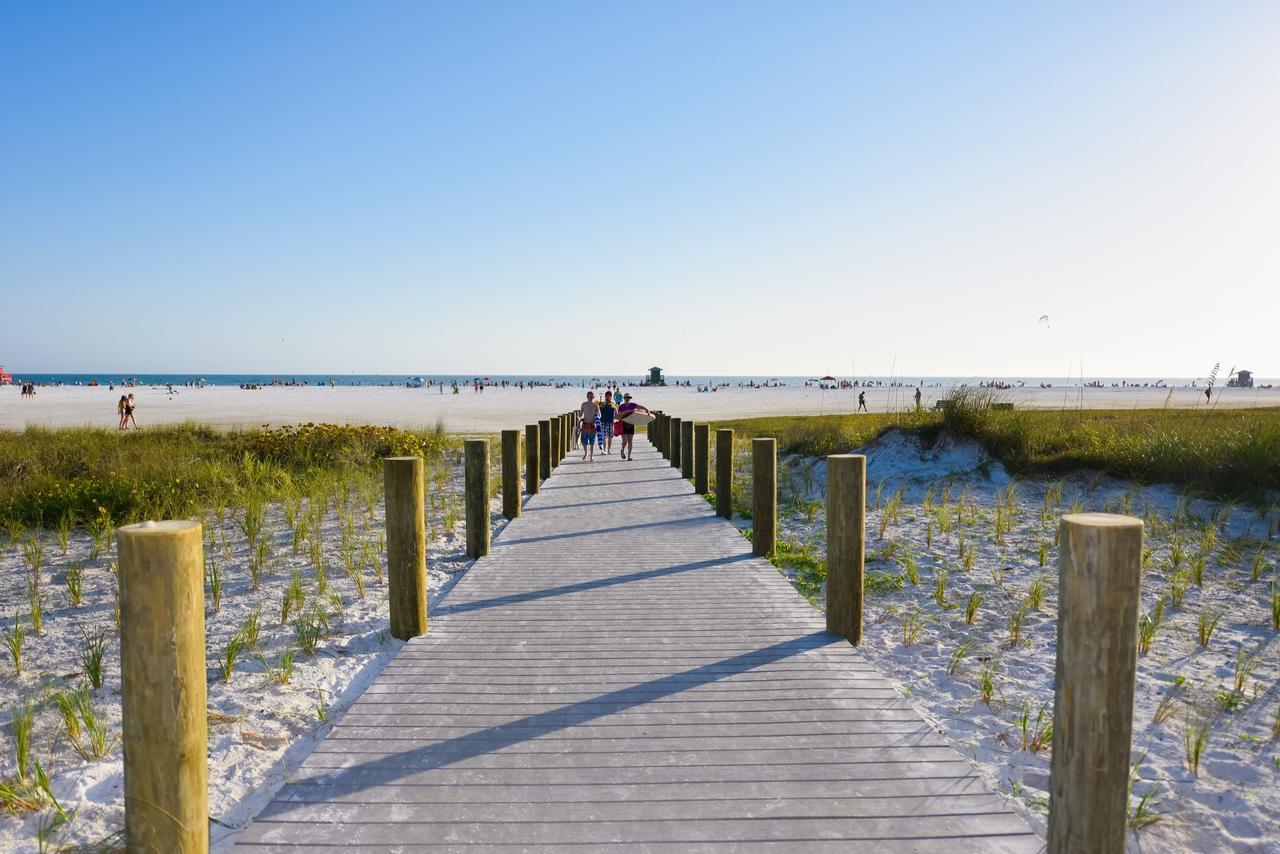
628 429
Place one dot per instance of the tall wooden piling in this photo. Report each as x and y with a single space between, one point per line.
510 473
673 442
544 449
163 700
846 529
476 487
557 449
404 499
686 450
1099 581
764 496
532 441
702 454
724 472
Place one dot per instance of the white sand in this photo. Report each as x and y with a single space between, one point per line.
1232 803
496 409
259 732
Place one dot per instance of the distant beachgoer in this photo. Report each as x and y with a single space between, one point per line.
1208 394
607 411
917 397
617 397
862 401
629 430
589 415
120 407
129 407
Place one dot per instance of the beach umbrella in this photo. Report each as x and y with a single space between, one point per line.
827 379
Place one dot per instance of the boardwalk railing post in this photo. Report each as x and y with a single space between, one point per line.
686 449
566 435
702 469
531 465
1099 579
511 473
406 546
476 486
724 472
163 702
764 496
557 449
673 442
846 527
664 430
544 449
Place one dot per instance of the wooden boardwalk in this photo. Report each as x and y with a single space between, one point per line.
621 674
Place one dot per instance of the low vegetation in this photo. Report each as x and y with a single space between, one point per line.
1221 452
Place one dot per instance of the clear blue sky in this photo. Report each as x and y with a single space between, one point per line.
744 188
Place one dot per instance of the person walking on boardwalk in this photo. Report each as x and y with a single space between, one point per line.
862 401
589 414
607 411
628 429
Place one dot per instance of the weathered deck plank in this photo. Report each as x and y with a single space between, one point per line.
620 673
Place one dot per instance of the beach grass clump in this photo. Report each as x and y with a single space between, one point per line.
1206 623
1222 452
92 652
14 640
1196 739
1037 731
971 606
172 471
1148 626
807 571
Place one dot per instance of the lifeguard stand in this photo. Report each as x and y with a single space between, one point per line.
655 377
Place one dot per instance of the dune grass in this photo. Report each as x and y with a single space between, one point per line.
1225 453
89 474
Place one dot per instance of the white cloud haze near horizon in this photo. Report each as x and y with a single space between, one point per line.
736 189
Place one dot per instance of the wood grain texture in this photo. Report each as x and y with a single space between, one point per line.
724 472
476 497
846 543
163 701
764 496
1100 578
532 461
702 465
405 500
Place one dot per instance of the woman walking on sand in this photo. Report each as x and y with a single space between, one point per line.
124 401
129 406
589 414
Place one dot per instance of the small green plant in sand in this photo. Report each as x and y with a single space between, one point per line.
92 651
73 578
986 683
1148 625
971 606
94 742
912 626
958 656
1017 618
1037 731
13 642
1206 623
1195 739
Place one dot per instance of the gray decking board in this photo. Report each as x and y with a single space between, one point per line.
620 673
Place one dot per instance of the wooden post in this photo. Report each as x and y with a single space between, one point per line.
702 469
846 527
724 472
531 464
476 487
673 442
1099 579
660 426
511 473
544 449
764 496
557 449
406 545
163 701
568 433
686 449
